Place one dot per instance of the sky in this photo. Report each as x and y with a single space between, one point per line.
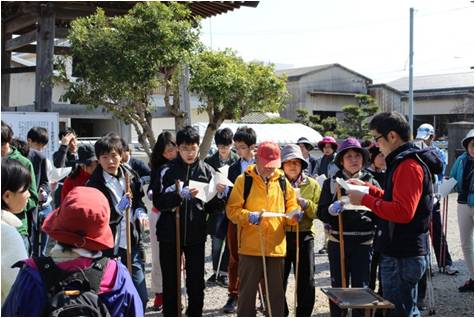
370 37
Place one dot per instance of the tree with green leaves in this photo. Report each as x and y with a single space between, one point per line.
356 117
122 60
230 88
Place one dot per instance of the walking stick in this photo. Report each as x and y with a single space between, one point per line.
261 239
127 225
178 252
342 242
430 287
297 257
221 253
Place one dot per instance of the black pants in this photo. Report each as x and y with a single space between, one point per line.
357 267
195 285
306 283
438 239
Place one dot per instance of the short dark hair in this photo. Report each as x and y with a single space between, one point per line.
188 136
246 135
38 135
7 133
125 145
386 122
223 137
15 177
157 159
68 130
107 144
21 146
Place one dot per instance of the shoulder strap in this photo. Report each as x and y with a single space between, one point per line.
95 273
50 273
283 185
247 186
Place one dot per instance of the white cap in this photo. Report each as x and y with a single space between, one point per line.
425 131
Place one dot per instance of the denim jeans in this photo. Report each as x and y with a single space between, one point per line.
400 277
138 273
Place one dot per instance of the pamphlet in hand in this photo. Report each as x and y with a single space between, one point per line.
320 179
446 187
348 186
57 174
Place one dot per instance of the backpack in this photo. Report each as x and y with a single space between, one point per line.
248 185
73 293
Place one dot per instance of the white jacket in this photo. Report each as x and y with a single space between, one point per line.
13 250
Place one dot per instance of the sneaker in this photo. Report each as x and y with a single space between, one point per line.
467 287
323 250
222 281
230 307
158 302
211 280
450 270
421 305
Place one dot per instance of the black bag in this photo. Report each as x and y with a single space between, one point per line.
73 294
431 159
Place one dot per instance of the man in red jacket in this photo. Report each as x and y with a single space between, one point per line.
402 233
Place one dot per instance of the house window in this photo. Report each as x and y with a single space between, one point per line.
323 114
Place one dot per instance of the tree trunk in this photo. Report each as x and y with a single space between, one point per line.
209 135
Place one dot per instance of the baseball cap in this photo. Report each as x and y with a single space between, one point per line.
425 131
268 154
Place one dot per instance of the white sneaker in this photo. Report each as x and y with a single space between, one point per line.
450 270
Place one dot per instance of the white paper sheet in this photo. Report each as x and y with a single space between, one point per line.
221 178
446 187
56 174
205 193
267 214
320 179
224 170
348 186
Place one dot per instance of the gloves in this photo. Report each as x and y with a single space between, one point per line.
303 203
254 218
150 194
296 215
123 204
335 208
140 213
145 180
185 193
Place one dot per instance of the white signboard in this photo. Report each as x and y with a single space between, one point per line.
22 122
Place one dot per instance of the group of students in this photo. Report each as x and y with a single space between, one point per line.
262 227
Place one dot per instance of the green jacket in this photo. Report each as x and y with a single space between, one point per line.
33 200
310 190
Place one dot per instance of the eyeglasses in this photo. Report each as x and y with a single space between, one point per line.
377 138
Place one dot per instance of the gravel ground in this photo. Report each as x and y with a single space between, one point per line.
448 301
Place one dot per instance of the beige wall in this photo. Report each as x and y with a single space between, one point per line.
22 90
439 106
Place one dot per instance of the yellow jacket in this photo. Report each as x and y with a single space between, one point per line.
268 197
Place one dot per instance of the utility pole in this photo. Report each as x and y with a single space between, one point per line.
411 57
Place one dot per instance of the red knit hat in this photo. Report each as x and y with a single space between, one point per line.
82 220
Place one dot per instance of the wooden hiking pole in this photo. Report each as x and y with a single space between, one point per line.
342 242
266 283
297 258
178 252
127 224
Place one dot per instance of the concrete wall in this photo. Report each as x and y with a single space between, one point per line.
22 90
441 106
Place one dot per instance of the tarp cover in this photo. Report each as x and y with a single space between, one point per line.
281 134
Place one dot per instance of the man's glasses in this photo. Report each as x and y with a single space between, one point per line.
377 138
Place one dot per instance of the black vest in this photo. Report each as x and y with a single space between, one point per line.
411 239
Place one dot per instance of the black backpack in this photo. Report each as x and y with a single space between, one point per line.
73 294
248 185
